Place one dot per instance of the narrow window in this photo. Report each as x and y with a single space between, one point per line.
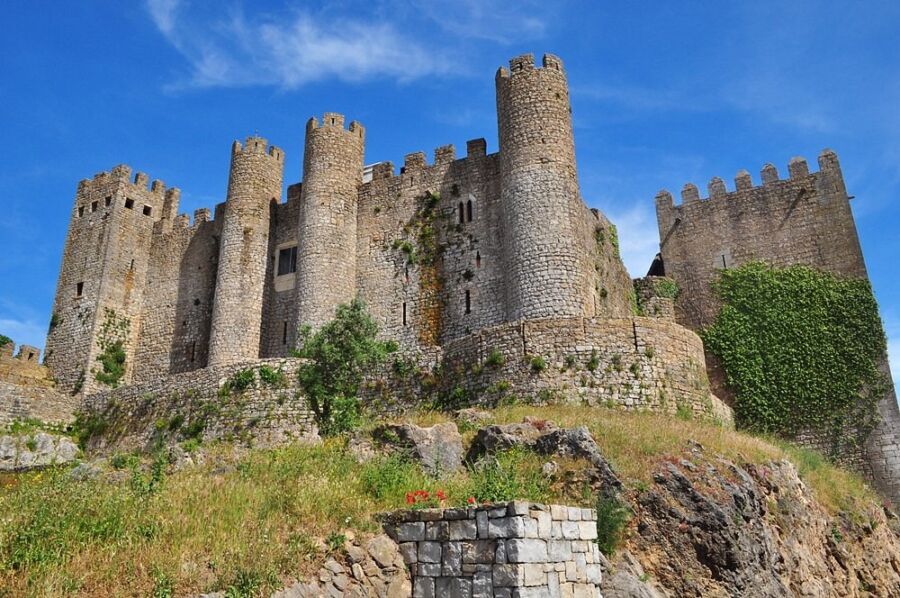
287 260
131 267
461 213
108 200
406 273
80 211
147 210
284 333
477 259
93 206
724 264
79 288
404 313
468 302
469 211
129 203
30 356
193 350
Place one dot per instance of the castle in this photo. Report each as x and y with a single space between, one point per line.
488 267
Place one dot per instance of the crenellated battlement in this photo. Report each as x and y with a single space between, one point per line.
257 145
798 170
334 120
525 63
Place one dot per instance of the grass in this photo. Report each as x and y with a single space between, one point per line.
249 523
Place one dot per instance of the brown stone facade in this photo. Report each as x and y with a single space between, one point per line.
804 219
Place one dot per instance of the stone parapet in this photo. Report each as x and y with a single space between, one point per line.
514 549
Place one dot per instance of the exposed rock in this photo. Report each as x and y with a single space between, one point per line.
472 416
85 471
710 527
627 579
545 438
22 452
438 448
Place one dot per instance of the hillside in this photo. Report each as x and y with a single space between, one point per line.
707 511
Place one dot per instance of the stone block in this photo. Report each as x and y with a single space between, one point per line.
453 587
518 507
428 569
483 585
437 531
526 551
413 531
559 512
451 560
507 576
531 527
544 522
570 530
429 552
481 520
456 513
574 513
423 587
463 529
506 527
587 530
479 551
534 574
559 550
409 552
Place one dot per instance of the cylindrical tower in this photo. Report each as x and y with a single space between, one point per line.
540 200
326 252
254 181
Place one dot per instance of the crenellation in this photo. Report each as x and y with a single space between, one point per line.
413 162
476 148
717 188
689 193
141 180
444 154
742 181
769 174
798 168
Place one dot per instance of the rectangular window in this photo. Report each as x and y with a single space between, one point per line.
284 334
404 313
468 303
80 211
108 200
79 288
129 203
147 210
287 260
93 206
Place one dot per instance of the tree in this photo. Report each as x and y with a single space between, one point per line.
339 354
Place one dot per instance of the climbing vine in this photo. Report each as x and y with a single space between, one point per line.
111 341
802 351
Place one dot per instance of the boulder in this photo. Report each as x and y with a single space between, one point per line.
472 416
21 452
438 449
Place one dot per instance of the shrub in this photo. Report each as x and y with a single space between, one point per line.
594 362
495 359
271 376
612 517
339 354
241 380
111 341
538 364
88 425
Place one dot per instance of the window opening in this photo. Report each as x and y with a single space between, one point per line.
284 333
147 210
129 203
477 259
404 313
468 302
469 211
79 288
80 211
461 213
287 260
93 206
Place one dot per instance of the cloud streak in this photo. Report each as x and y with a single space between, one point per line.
288 50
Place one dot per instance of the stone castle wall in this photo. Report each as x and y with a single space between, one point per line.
23 368
514 549
805 219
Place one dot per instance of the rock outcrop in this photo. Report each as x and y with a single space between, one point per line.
21 452
438 449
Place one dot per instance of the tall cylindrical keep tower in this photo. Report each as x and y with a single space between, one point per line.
326 253
254 181
540 200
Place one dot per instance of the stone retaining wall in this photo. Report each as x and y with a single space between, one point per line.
264 414
517 549
19 402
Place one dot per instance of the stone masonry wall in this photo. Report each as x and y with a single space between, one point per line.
137 416
509 550
19 403
23 368
806 220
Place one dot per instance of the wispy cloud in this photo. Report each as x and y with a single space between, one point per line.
638 236
289 49
498 21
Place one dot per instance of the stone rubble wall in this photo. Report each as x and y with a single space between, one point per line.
517 549
137 416
23 368
19 403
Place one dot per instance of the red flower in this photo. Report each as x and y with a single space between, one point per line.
441 495
471 500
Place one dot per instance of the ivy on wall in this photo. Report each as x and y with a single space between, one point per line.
111 341
802 350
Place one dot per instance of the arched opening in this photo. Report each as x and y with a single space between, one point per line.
461 213
469 211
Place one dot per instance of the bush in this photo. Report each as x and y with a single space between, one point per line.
339 354
612 516
271 376
88 425
538 364
495 359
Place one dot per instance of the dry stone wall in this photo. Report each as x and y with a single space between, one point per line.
23 368
516 549
20 403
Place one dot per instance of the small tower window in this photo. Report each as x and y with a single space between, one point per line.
147 210
93 206
477 259
284 333
131 266
468 302
469 211
404 313
193 350
80 211
287 260
462 214
129 203
79 289
108 200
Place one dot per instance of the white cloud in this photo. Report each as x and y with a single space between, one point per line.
288 50
638 236
498 21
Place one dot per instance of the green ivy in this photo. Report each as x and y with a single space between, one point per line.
111 341
801 350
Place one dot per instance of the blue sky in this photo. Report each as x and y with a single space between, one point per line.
663 93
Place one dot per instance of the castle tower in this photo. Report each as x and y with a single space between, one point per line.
253 183
539 191
326 256
99 294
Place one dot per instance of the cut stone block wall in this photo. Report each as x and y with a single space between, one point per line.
517 549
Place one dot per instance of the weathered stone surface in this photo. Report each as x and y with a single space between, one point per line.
35 450
438 448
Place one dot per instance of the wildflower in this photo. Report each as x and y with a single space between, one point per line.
410 498
441 495
471 500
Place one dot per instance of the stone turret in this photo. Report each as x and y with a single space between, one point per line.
326 232
540 201
253 183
